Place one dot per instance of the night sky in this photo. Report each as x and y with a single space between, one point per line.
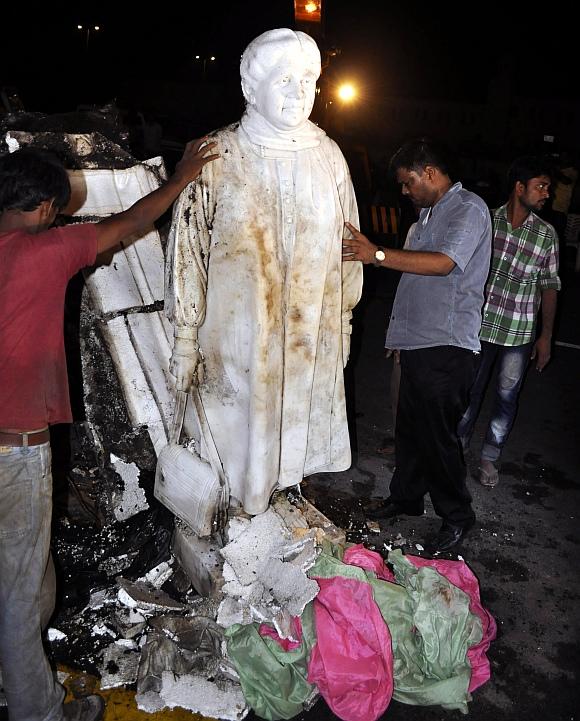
426 50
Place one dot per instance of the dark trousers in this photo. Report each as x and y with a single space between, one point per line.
433 396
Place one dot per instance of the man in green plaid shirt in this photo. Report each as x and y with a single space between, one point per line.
523 278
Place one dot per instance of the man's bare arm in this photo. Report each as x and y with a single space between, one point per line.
543 346
146 210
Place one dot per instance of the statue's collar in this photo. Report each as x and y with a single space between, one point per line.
278 143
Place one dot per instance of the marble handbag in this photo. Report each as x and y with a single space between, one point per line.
193 489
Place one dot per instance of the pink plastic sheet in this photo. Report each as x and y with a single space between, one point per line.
369 560
287 644
352 661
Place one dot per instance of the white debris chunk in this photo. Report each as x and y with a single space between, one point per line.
132 499
288 585
265 573
101 629
53 634
231 612
224 700
158 575
263 538
12 143
120 665
100 598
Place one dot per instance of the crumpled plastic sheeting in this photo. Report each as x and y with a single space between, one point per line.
432 629
274 680
351 662
460 575
182 646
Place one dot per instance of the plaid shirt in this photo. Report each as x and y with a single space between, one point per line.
524 263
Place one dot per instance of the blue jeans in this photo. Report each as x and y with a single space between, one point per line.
512 365
26 573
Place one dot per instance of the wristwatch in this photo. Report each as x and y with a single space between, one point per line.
380 255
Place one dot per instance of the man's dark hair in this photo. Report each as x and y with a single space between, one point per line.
418 154
28 177
526 168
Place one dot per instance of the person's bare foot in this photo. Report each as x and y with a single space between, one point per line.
488 474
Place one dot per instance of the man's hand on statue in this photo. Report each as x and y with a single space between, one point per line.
542 352
359 247
194 158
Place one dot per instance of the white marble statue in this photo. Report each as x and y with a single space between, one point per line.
255 286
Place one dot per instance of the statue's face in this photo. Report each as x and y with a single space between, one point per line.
285 96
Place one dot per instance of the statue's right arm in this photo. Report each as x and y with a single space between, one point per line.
188 254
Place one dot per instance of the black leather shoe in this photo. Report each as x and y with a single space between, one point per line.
449 536
389 510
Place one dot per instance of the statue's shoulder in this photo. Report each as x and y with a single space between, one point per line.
228 136
331 150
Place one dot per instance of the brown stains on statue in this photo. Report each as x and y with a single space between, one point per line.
265 271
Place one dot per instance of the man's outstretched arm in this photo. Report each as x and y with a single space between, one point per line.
146 210
420 262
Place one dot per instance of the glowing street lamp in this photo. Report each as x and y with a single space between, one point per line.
347 93
88 29
211 59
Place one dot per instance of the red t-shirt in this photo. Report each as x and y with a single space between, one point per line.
34 273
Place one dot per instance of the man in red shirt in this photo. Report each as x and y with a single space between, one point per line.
36 263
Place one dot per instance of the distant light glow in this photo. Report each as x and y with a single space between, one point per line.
212 57
311 7
79 27
347 92
197 57
97 27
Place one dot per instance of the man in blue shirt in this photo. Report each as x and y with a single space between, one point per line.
435 323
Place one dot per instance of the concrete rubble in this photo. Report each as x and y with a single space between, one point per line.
264 573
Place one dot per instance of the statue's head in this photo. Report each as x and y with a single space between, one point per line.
279 70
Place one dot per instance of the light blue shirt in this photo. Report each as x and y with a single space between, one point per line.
433 310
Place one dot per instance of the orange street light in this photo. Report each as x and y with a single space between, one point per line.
347 92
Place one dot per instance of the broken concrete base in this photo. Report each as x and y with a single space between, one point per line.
201 558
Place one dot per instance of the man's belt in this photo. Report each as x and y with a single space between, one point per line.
23 439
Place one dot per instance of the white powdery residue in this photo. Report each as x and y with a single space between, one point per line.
199 695
132 500
53 634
